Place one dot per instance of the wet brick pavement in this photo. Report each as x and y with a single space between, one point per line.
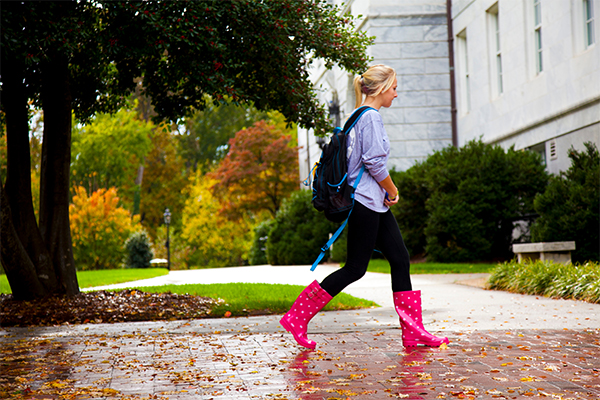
148 362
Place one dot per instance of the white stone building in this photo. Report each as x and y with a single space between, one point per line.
527 74
412 37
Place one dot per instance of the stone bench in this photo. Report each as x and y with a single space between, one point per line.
554 251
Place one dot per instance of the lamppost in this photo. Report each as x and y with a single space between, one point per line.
334 115
167 216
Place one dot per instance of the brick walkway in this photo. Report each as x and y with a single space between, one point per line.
151 364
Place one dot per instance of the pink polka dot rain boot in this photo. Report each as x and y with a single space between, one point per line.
408 307
312 299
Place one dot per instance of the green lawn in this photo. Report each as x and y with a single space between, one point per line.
249 298
111 276
103 277
380 265
246 298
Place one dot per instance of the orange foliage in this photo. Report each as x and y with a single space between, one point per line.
99 229
260 170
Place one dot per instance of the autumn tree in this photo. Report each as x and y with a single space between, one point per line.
164 181
212 239
260 170
203 138
100 229
84 57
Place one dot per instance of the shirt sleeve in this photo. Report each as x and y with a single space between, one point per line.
375 146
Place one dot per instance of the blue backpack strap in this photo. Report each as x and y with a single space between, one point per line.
355 117
341 228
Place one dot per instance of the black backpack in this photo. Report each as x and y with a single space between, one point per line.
331 192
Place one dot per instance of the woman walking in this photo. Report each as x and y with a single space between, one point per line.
371 224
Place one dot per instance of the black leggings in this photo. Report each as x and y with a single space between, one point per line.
368 230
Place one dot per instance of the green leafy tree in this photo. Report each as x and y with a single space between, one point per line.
298 233
569 208
85 57
259 171
107 152
203 141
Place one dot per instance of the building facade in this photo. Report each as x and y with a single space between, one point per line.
527 75
412 37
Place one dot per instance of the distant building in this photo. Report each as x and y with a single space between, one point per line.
527 74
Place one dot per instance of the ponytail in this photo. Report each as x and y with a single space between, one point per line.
376 80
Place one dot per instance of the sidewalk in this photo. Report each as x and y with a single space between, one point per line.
502 346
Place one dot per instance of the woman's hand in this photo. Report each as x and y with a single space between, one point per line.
391 191
390 201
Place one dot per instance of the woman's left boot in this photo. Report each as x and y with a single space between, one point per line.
408 307
312 299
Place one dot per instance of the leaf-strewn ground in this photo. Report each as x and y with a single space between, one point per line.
103 307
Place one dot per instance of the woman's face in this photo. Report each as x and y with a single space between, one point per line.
389 95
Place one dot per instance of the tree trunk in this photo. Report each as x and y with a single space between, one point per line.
24 255
20 271
56 160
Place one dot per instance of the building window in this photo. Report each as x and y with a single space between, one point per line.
541 150
537 28
464 72
495 50
588 17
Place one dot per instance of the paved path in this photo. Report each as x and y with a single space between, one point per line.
502 346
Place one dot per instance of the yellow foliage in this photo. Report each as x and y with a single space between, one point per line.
214 240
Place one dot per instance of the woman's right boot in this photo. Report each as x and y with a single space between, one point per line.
408 307
312 299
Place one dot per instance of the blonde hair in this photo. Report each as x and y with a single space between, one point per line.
376 80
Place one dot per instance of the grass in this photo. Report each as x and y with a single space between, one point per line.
546 278
241 299
380 265
111 276
102 277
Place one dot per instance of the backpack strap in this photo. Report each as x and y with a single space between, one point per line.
347 128
354 118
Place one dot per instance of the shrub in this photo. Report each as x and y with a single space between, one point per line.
410 212
461 204
546 278
298 233
139 250
258 252
568 208
339 251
